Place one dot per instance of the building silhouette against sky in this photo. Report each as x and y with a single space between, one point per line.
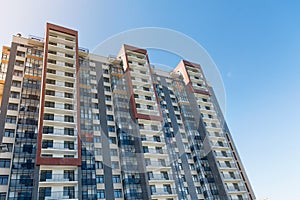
75 125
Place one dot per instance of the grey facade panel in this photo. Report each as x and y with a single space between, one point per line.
182 154
109 188
6 90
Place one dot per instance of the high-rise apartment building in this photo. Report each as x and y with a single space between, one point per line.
75 125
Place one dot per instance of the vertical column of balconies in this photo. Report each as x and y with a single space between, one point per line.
19 111
197 84
192 141
146 111
170 140
8 126
234 176
89 127
129 156
59 149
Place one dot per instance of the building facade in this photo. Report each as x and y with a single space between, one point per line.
75 125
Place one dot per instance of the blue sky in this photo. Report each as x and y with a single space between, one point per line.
255 45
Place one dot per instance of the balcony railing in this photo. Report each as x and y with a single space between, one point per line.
158 164
156 151
234 176
219 154
58 195
229 165
163 191
58 131
236 189
59 146
58 178
159 177
217 144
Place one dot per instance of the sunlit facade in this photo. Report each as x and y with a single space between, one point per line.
76 125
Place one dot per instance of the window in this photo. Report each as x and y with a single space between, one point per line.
99 165
99 179
148 98
144 80
186 190
158 150
9 133
48 129
69 175
53 43
207 107
152 189
68 84
137 105
195 178
118 193
145 149
115 165
69 191
106 80
45 174
96 116
45 192
100 194
156 138
69 131
51 71
68 118
69 65
97 139
9 146
69 74
107 98
50 81
3 180
68 56
16 83
2 196
154 127
141 126
69 145
146 89
116 179
4 163
50 92
108 108
136 96
11 119
150 175
48 116
68 95
15 95
47 143
106 88
147 161
12 106
111 129
150 107
112 140
110 118
49 104
68 106
18 73
113 152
